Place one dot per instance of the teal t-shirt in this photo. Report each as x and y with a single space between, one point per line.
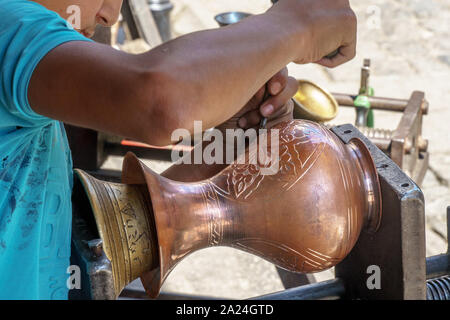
35 161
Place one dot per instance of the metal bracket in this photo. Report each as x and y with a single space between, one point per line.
398 248
409 149
87 253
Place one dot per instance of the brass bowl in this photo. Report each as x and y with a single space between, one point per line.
313 102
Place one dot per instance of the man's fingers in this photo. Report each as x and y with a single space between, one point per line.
287 108
282 88
260 94
278 82
333 62
286 113
345 54
274 103
253 118
348 50
250 119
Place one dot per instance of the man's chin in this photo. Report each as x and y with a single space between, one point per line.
87 33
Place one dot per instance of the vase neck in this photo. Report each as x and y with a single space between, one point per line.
370 182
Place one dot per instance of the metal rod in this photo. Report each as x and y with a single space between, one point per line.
381 143
448 230
145 153
161 10
361 116
398 105
365 76
134 294
438 266
322 290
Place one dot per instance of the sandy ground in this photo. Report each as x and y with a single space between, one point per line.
409 44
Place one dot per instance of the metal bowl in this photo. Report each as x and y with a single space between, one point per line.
313 102
227 18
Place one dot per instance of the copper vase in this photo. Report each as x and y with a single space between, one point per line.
305 218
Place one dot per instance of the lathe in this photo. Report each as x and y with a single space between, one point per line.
397 248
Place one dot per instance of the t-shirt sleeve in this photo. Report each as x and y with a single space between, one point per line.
28 31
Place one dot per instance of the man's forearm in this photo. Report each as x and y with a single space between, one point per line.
211 74
208 75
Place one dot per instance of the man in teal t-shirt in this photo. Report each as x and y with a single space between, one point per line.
35 163
50 73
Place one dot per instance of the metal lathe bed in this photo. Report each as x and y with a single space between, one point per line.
398 249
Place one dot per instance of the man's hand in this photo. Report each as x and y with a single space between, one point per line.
323 26
278 106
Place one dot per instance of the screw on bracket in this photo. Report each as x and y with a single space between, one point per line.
96 247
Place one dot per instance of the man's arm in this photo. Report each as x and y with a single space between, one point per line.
206 76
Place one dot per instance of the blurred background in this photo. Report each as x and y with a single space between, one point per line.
408 42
